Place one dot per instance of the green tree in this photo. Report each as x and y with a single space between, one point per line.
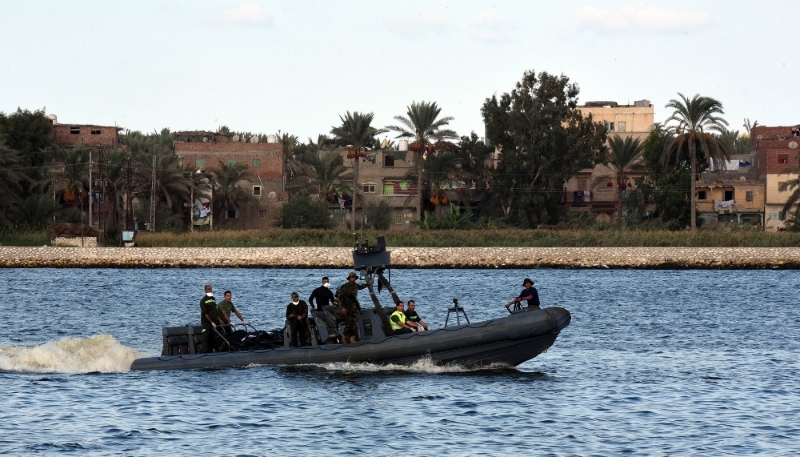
231 184
30 134
696 120
624 156
10 178
544 141
36 211
356 131
423 125
302 211
290 148
379 216
325 174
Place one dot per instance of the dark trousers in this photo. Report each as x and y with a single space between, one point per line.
402 331
209 338
300 333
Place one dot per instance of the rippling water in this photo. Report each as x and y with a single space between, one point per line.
654 363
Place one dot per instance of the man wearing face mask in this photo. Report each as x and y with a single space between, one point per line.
209 317
322 294
325 298
296 316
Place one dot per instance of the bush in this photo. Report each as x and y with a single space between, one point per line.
379 216
302 211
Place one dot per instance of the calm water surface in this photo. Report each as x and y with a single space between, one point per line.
654 363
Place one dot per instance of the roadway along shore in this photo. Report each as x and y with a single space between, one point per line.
317 257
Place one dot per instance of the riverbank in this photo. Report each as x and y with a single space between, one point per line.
403 257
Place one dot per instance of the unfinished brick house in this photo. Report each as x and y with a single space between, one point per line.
777 153
264 160
68 135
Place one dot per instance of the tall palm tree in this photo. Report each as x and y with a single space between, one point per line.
422 124
696 121
356 130
290 149
169 180
228 190
625 157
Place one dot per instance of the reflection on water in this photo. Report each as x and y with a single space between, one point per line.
653 363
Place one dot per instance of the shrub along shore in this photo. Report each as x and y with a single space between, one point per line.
432 249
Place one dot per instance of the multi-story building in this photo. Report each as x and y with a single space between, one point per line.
264 161
778 160
594 189
382 178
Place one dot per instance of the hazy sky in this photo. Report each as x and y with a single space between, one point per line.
261 66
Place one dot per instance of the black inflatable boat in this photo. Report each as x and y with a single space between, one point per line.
510 340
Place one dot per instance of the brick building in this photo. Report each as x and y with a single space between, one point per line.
69 135
777 152
264 160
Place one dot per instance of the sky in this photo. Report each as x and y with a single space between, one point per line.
264 66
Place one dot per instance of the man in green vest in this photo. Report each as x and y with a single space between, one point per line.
398 320
209 318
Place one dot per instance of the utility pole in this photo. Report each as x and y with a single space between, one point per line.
191 203
128 196
153 197
101 218
90 189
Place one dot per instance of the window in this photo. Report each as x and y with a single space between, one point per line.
257 191
74 130
621 126
231 214
775 216
256 162
701 195
388 189
783 158
369 188
95 131
200 163
388 161
397 219
581 184
748 195
231 162
262 214
727 195
609 126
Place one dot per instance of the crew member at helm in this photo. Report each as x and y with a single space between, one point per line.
529 294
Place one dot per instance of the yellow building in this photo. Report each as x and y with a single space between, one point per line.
587 191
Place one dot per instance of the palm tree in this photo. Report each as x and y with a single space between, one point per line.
356 130
10 178
290 148
439 171
625 157
325 174
422 124
228 192
697 119
169 180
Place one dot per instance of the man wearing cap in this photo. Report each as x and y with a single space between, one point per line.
348 299
529 294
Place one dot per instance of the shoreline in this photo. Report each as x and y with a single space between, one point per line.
322 257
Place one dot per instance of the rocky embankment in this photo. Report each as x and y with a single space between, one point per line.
312 257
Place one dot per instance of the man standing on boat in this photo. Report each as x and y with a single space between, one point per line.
297 317
209 318
322 294
529 294
226 307
348 299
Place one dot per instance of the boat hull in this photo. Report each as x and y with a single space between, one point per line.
508 341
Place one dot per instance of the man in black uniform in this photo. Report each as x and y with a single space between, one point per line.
322 294
413 317
297 315
529 294
324 298
209 318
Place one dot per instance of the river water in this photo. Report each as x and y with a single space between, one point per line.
653 363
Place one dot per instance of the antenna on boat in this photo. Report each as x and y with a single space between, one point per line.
458 310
